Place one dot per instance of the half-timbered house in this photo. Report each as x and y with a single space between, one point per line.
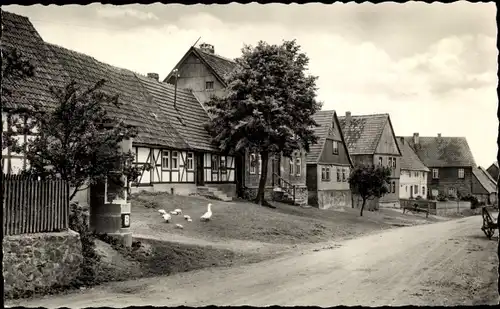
205 74
170 121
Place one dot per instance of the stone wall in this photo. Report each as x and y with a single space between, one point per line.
333 199
39 261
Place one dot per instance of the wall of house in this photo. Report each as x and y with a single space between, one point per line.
312 177
477 187
395 176
327 156
448 178
493 171
366 160
410 179
333 199
39 261
194 74
339 177
252 177
387 143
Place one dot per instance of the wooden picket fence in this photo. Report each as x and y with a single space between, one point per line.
31 205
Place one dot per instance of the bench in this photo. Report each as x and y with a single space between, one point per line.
415 209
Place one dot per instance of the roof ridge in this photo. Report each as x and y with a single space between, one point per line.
216 55
367 115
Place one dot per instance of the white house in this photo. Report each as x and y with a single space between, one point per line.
413 179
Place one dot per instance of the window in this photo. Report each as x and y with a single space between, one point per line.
165 160
393 187
435 173
223 164
380 161
343 175
415 189
175 160
297 166
461 173
290 166
209 85
423 190
335 147
406 189
451 191
338 174
325 174
394 162
215 162
389 160
253 163
190 161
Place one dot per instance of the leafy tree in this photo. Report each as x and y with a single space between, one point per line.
77 140
369 182
268 106
15 67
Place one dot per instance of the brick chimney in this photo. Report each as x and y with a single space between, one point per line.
415 138
154 76
347 119
402 139
207 48
439 134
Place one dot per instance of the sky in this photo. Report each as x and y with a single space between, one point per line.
432 67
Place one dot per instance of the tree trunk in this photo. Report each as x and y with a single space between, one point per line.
262 182
362 207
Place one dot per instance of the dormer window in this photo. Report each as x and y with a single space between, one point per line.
209 85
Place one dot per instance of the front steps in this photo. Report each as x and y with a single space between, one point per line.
213 193
286 197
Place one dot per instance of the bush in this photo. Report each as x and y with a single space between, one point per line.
474 203
419 197
79 222
441 198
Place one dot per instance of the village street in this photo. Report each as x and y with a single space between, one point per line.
446 263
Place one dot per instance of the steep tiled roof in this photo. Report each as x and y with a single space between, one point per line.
220 65
442 151
484 180
187 118
324 119
409 159
363 133
136 109
18 33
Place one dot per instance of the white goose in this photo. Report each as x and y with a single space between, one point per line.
167 217
187 217
178 211
162 211
206 216
189 220
173 212
179 226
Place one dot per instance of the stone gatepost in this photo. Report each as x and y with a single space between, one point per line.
110 207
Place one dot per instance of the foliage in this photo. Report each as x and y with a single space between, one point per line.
474 202
369 182
15 67
419 197
441 197
79 222
78 140
268 107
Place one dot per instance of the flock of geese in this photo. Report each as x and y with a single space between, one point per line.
168 216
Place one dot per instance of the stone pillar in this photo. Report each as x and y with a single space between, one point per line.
109 206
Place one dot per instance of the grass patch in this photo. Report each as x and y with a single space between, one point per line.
245 221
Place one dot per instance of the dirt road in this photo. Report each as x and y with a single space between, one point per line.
448 263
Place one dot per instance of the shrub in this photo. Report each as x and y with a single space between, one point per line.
419 197
441 198
474 203
79 222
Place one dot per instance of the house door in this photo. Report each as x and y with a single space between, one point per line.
411 191
200 170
